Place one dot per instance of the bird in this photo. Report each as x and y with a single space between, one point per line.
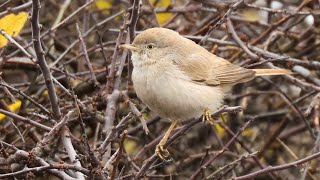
179 80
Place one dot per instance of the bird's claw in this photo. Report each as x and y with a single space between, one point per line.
162 153
207 117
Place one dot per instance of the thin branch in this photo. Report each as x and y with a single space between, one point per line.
66 141
86 56
16 9
119 154
207 163
135 111
25 120
278 168
147 164
27 97
222 19
238 40
41 59
10 39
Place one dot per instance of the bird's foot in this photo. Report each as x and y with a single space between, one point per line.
162 153
206 117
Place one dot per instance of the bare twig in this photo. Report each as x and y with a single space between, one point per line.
86 56
10 39
119 154
66 141
278 168
135 111
16 9
230 10
102 149
238 40
26 120
85 35
229 166
41 59
207 163
27 97
147 164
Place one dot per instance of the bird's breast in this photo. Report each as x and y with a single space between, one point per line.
171 94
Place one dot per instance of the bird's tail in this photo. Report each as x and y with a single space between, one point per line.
270 72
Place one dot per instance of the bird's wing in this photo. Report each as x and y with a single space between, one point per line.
206 68
198 69
228 73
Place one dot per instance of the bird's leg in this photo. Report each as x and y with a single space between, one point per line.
207 117
162 153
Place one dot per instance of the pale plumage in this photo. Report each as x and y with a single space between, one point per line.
193 79
166 90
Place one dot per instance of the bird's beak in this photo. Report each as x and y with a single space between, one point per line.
129 46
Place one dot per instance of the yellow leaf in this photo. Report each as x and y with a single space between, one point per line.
251 14
13 107
162 17
130 146
220 130
2 116
45 93
248 132
104 5
12 25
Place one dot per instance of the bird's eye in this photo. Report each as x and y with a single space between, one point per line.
150 46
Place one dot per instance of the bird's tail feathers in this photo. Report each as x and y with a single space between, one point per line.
271 72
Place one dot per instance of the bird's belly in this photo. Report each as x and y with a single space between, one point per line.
175 98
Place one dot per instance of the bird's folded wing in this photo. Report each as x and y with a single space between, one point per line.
228 73
213 71
198 69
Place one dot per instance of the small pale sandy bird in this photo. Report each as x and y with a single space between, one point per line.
179 79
